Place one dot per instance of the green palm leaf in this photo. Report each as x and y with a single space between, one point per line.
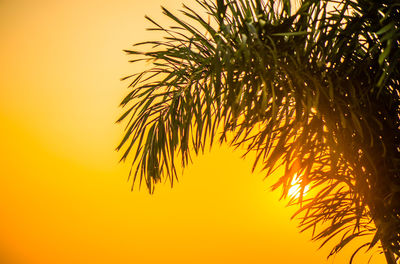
315 90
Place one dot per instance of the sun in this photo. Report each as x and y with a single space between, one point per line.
295 189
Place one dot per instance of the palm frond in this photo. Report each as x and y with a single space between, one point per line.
315 90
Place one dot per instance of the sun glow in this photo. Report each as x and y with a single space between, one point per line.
64 196
296 188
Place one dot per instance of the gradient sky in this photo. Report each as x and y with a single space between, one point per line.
65 198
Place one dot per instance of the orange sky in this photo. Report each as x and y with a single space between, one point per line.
64 197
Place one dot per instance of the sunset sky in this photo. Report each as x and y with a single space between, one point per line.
65 198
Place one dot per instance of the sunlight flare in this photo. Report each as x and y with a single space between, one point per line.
295 189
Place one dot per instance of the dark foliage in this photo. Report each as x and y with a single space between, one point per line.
314 89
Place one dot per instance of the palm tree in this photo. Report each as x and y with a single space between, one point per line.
313 89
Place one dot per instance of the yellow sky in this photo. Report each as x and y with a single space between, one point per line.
64 197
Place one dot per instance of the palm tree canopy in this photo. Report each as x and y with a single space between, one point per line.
314 89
